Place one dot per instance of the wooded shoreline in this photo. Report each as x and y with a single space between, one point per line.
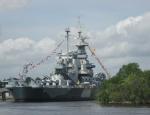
130 86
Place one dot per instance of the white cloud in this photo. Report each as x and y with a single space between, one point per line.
12 4
15 52
122 26
19 44
127 41
45 45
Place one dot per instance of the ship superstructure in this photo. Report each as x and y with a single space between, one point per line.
72 79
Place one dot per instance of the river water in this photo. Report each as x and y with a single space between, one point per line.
68 108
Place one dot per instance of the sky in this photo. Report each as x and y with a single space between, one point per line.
119 30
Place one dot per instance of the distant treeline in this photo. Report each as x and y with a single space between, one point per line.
129 85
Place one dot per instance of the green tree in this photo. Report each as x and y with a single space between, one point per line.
130 84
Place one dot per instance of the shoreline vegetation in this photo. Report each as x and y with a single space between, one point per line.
130 86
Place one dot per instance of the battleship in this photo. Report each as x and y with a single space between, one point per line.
72 79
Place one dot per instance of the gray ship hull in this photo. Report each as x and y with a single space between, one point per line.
52 94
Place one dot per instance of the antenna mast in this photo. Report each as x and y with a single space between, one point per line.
67 32
67 36
79 23
79 26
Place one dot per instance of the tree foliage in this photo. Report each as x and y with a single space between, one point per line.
130 84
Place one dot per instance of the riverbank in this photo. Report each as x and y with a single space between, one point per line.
130 86
8 98
124 104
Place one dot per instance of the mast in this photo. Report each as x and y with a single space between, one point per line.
79 33
67 36
67 32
